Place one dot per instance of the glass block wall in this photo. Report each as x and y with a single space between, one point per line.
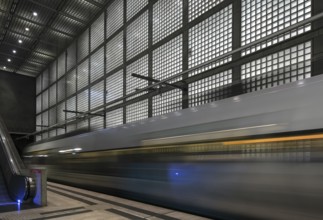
159 39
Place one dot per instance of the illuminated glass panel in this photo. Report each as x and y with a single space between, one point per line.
137 36
198 7
114 17
262 18
209 39
137 111
167 59
279 68
167 102
210 89
167 18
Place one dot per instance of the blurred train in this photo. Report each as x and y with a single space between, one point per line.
254 156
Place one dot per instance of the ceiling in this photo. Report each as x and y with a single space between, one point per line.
44 28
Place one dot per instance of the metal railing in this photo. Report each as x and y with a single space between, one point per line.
19 184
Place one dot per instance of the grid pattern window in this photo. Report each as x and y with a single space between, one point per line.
167 102
262 18
97 32
139 67
114 17
61 113
71 106
279 68
209 39
137 111
52 133
38 103
71 83
61 117
52 72
45 99
38 123
61 65
137 36
83 106
52 95
45 79
52 116
83 45
39 84
167 18
45 123
167 59
97 65
114 86
133 7
38 138
71 56
97 95
61 90
114 118
198 7
114 56
210 89
96 123
83 74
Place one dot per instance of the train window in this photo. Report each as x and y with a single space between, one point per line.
279 68
139 67
137 111
114 17
167 102
210 89
198 7
209 39
114 54
262 18
167 59
137 36
167 18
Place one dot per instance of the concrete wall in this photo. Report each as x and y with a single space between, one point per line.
18 102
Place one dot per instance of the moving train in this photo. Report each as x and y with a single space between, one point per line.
253 156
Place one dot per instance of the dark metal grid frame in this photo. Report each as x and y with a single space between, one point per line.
235 65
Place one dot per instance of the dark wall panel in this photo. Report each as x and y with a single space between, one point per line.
17 102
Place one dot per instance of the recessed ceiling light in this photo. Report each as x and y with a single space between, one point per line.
9 60
35 14
4 67
14 51
27 29
20 41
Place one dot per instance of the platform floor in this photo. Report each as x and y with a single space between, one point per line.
65 202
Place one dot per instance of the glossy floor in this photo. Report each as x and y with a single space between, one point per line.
69 203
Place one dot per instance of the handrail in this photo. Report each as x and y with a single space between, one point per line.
19 183
255 43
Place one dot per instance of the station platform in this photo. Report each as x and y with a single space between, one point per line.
70 203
